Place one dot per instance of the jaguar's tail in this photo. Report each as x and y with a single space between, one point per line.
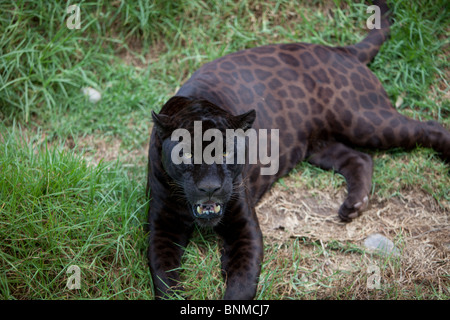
368 48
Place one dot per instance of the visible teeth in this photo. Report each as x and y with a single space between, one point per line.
207 209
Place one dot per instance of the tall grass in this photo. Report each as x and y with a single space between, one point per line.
56 211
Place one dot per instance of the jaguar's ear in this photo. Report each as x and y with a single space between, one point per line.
161 122
245 121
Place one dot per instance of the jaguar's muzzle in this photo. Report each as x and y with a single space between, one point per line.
208 212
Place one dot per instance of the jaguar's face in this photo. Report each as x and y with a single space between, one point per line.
206 187
204 175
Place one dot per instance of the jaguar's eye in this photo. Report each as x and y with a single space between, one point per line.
187 155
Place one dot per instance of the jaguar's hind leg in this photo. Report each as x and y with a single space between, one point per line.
391 129
428 134
410 133
356 167
438 138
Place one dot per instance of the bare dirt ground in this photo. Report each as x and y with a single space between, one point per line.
414 221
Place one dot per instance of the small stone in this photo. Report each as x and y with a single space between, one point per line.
382 245
447 246
93 95
399 101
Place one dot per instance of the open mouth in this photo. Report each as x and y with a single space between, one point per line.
208 210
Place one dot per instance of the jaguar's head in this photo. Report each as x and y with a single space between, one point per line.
204 163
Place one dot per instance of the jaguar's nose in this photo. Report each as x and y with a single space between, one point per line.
208 187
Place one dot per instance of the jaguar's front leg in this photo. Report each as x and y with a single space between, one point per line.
242 252
167 239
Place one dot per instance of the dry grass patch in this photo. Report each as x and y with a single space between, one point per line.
326 258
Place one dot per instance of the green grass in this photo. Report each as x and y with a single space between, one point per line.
58 209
